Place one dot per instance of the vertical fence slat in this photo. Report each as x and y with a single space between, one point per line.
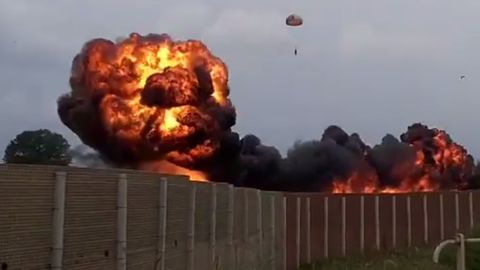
230 224
58 220
325 236
457 213
425 219
409 221
377 222
297 231
344 226
191 228
394 221
470 209
273 233
308 229
362 224
162 223
259 231
122 223
284 232
213 224
442 225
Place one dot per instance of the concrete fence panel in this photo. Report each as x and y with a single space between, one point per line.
292 232
317 234
449 219
369 221
464 211
353 226
476 206
334 226
385 224
90 220
26 201
73 218
433 217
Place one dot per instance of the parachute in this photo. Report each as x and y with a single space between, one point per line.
294 20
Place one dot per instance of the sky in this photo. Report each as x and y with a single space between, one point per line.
371 67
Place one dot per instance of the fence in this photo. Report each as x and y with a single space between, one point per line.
327 225
72 218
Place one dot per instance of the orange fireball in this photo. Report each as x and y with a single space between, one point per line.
149 98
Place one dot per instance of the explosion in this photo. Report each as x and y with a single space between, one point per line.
151 103
424 160
147 99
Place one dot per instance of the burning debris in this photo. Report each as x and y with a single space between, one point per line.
148 102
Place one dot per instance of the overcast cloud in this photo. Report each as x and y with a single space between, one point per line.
371 66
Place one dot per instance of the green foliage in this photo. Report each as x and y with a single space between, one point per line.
38 147
414 259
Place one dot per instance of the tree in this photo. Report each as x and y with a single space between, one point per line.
38 147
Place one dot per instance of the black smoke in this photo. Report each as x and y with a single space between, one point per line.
313 165
98 109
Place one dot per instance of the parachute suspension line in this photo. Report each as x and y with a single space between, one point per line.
294 20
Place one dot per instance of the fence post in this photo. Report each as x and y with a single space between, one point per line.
213 223
122 222
162 222
326 226
442 225
297 231
394 221
409 221
344 226
362 224
191 228
230 224
457 213
259 225
284 231
377 223
58 220
470 208
272 233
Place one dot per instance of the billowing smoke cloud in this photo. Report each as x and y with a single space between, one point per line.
83 156
423 159
148 102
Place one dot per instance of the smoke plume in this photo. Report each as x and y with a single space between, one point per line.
151 103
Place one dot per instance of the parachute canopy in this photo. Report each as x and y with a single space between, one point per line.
294 20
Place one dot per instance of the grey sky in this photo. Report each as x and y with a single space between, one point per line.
371 66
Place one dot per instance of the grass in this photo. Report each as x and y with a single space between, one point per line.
413 259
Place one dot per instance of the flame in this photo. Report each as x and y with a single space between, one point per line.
356 183
446 155
170 168
154 98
